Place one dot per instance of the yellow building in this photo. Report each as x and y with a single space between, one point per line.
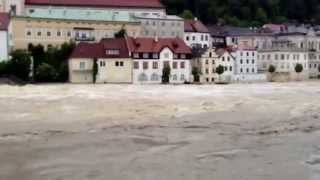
111 57
52 32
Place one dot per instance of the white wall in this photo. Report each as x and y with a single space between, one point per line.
165 55
192 39
4 45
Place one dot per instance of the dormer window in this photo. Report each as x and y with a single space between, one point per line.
155 55
183 56
136 55
112 52
145 55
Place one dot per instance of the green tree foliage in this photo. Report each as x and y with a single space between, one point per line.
46 73
94 70
121 33
272 69
56 57
187 14
298 68
220 70
248 12
166 72
196 74
19 65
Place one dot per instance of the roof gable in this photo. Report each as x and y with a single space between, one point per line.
151 45
195 26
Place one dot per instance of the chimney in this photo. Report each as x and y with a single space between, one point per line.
156 39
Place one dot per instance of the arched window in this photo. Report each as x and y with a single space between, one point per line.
154 77
143 77
175 77
182 77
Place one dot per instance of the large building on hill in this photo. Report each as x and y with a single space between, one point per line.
131 60
160 25
53 22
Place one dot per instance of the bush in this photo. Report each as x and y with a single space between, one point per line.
166 74
19 65
46 73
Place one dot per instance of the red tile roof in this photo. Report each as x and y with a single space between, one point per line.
99 3
124 45
87 50
98 50
151 45
115 44
195 26
4 21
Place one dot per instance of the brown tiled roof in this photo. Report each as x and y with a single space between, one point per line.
98 50
115 44
4 21
87 50
195 26
151 45
100 3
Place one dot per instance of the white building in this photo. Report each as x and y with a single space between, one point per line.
246 65
284 56
223 57
196 34
151 55
15 6
4 36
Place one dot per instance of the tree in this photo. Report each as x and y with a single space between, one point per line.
272 69
94 70
196 74
298 68
319 71
220 70
121 33
46 73
166 72
19 65
187 14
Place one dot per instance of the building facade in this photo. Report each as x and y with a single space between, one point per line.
284 56
112 60
4 36
196 34
208 62
54 32
160 25
151 55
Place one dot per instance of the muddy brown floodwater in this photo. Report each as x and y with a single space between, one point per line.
127 132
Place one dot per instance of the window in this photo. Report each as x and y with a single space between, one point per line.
29 33
136 55
230 68
207 61
155 65
58 33
117 63
175 65
112 52
146 55
143 77
69 33
155 56
182 77
187 38
145 65
102 63
252 61
222 58
175 56
241 61
82 65
193 38
253 70
154 77
182 65
121 63
241 70
166 55
48 33
136 65
39 33
183 56
207 71
175 77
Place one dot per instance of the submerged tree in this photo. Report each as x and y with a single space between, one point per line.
166 72
298 68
